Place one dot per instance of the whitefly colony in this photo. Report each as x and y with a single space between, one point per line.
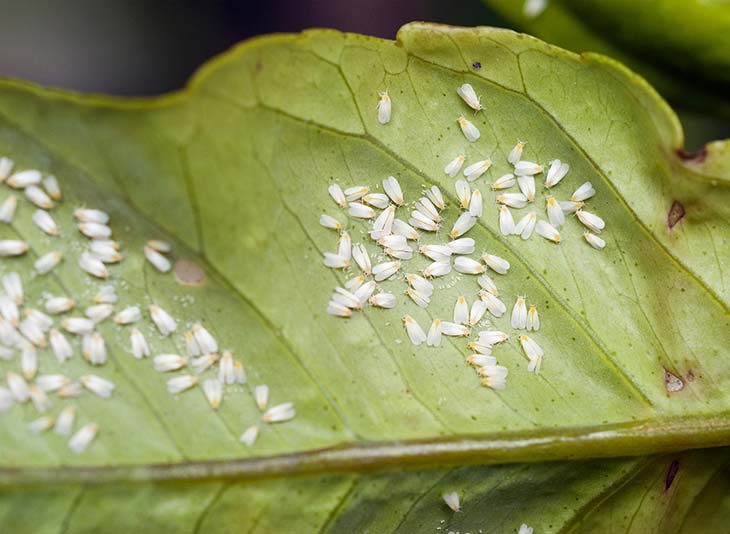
28 336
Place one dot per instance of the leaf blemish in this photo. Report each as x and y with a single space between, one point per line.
693 157
672 382
676 214
671 474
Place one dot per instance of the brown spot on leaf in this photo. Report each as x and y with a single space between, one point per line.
189 273
672 382
693 157
676 214
671 473
690 376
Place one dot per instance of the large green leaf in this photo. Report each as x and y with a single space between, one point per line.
681 46
682 493
234 170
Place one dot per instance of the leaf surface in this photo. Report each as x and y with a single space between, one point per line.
234 170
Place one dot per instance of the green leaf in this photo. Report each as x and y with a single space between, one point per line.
234 170
680 46
683 493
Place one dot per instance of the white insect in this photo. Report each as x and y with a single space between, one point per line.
356 192
6 167
436 197
526 225
23 179
497 264
65 421
556 216
584 192
475 170
461 310
60 345
527 168
338 310
335 261
213 391
493 337
51 383
17 386
361 211
50 184
128 315
97 385
436 269
181 383
466 265
548 231
515 155
279 413
7 209
504 182
383 300
570 206
393 190
436 252
506 221
495 306
164 322
594 241
463 193
468 129
81 440
465 245
249 436
495 376
513 200
519 314
433 339
99 312
160 246
378 200
486 283
78 325
13 287
40 425
104 251
330 222
527 186
463 224
452 500
10 247
94 230
383 271
337 195
45 222
533 352
204 362
94 349
84 215
420 299
590 221
556 172
344 246
468 95
140 349
227 369
476 204
533 319
261 394
414 330
524 529
454 166
385 107
478 309
93 265
158 261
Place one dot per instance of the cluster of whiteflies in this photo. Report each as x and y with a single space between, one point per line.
30 332
399 240
394 237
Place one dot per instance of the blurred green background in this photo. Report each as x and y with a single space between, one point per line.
147 47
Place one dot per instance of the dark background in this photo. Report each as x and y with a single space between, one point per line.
145 47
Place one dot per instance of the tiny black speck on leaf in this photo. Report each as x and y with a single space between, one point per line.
476 65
